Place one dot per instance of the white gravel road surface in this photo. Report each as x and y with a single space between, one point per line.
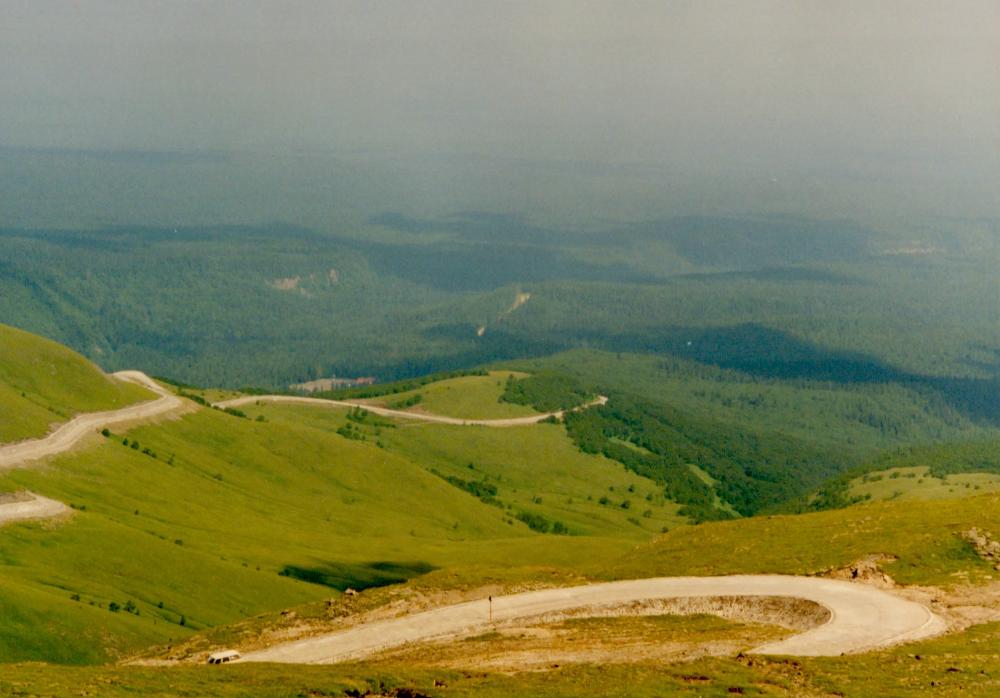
862 617
416 416
69 434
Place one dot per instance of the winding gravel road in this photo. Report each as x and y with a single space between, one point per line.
69 434
862 618
416 416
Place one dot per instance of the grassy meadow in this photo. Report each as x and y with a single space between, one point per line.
467 397
920 483
923 535
535 469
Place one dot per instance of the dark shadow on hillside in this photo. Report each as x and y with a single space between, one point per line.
481 266
991 366
760 351
482 226
730 242
755 242
750 348
768 353
358 576
781 275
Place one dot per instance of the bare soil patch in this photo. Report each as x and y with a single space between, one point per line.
629 637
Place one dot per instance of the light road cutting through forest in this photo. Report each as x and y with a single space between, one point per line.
861 617
69 434
417 416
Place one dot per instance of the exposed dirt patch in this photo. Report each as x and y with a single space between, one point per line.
520 299
26 506
965 605
867 570
960 606
290 283
784 612
295 283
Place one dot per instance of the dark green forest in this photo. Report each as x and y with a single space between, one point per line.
281 304
749 470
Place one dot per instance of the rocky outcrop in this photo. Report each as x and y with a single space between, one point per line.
984 545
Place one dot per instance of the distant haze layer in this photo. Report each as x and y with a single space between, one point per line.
615 80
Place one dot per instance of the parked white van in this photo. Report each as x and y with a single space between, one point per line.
223 657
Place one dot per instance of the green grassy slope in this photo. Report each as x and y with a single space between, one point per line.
768 442
224 517
208 519
919 483
535 469
467 397
924 535
42 383
941 470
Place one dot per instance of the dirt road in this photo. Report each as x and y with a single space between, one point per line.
28 505
416 416
69 434
862 618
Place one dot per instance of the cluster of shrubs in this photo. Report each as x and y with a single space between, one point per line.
128 607
115 607
415 399
135 446
349 431
193 396
360 415
541 524
485 491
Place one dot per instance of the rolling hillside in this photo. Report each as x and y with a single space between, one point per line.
213 517
43 383
218 528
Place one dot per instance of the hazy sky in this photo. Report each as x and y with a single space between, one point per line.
741 80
